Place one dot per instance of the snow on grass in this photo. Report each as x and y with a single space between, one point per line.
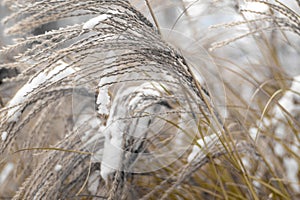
103 100
289 107
292 168
279 149
4 135
201 147
290 101
5 172
59 72
90 24
58 167
253 133
112 151
115 128
92 122
93 182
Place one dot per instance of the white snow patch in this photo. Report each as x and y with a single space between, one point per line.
198 149
94 181
58 167
281 131
60 71
103 100
295 148
112 151
93 123
256 184
146 89
97 156
246 163
4 135
6 171
114 132
287 101
266 122
292 168
253 132
290 101
90 24
279 149
114 12
296 83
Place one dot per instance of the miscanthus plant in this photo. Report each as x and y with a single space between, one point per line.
97 105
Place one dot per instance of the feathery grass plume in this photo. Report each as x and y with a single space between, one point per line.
278 15
103 83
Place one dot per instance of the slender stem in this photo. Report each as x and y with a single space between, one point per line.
153 16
